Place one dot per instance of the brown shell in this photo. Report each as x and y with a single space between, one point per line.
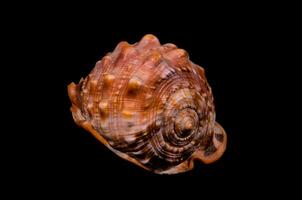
150 105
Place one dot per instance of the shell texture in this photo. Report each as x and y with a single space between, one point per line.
151 105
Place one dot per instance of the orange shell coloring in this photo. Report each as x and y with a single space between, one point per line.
149 104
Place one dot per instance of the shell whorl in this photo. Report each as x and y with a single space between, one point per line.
149 104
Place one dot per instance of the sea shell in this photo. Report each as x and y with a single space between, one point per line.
150 105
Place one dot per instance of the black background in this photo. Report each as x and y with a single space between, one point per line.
61 45
227 70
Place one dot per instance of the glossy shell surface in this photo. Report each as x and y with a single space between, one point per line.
150 105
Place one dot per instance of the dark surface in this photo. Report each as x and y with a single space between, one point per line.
73 55
62 48
227 70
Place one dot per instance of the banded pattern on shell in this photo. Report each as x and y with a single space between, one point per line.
150 105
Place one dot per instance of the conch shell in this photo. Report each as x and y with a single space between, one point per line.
149 104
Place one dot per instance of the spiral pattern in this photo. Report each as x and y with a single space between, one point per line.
148 103
185 122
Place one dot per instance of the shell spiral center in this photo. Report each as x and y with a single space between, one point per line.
186 121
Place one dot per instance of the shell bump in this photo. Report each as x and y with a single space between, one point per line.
149 104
